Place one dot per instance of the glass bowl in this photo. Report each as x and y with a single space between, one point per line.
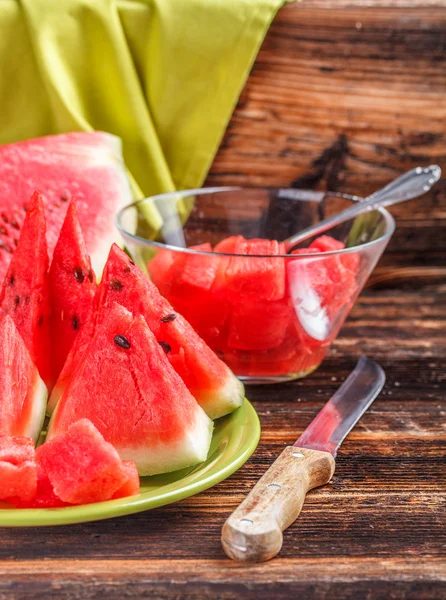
272 317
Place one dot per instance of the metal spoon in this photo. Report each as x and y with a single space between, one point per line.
414 183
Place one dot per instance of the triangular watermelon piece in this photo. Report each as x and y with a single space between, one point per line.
24 295
126 387
23 394
209 380
72 287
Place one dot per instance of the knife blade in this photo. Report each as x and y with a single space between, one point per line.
253 533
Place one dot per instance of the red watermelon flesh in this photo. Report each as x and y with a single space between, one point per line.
258 325
132 486
44 497
125 385
23 394
322 288
24 295
18 472
83 166
262 277
72 287
81 466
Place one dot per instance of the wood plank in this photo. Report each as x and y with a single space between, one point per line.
189 580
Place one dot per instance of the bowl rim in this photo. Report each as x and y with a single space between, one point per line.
389 220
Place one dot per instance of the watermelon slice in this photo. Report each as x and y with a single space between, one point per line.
23 394
209 380
135 398
24 294
72 287
18 472
83 166
81 466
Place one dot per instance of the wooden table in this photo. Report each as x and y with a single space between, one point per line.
309 116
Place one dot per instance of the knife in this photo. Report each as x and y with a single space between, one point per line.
253 533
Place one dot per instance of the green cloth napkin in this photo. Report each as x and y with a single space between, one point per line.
164 75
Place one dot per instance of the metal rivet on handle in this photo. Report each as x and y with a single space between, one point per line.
274 486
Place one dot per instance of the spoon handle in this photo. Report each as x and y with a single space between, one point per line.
414 183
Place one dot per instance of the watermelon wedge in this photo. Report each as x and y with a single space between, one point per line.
18 472
126 387
23 394
83 166
72 286
209 380
81 466
24 294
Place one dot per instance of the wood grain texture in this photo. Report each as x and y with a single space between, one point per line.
345 94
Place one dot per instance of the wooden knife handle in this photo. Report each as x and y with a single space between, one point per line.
254 530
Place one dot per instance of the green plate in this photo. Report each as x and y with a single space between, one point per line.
235 439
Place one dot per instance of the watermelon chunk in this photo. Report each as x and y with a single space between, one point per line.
18 472
81 466
258 325
209 380
132 486
23 394
24 294
44 496
83 166
72 287
260 278
135 398
322 288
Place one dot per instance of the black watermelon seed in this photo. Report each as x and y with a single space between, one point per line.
65 196
5 218
126 269
116 285
25 208
166 347
17 301
27 299
2 229
7 248
131 262
11 280
79 274
40 322
90 276
16 242
168 318
122 342
75 323
14 224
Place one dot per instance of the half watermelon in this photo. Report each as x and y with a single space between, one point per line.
126 387
83 166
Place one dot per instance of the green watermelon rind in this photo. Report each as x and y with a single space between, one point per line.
39 403
223 401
